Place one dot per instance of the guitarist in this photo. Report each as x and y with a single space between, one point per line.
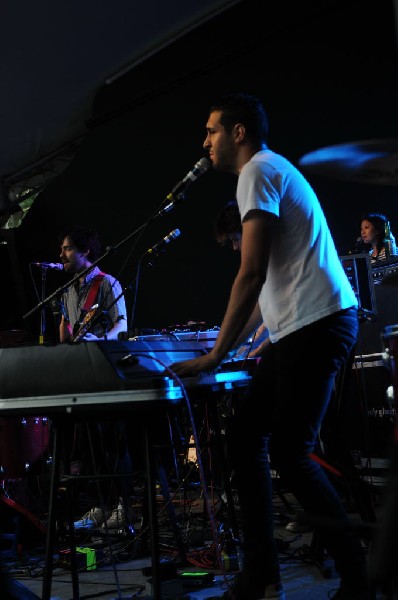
80 247
104 441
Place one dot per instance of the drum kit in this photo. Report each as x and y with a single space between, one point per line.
365 161
371 162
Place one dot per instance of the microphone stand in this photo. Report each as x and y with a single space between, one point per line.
43 311
109 250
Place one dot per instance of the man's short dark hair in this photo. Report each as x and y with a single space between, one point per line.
245 109
84 239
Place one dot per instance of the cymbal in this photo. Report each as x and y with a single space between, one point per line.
367 161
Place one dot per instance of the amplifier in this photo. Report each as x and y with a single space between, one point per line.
370 416
385 269
358 270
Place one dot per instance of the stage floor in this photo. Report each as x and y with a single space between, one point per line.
307 571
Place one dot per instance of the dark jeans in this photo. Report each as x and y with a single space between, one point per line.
277 423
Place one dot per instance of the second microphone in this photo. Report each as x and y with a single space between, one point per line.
161 246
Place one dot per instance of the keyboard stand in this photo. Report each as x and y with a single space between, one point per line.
58 431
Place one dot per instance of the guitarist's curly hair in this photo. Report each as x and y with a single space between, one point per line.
84 239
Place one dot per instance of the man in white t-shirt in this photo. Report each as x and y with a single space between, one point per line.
291 278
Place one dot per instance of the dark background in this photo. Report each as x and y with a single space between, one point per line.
327 72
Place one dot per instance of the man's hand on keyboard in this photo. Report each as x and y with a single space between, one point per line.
188 368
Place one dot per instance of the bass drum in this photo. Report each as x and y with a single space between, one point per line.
23 442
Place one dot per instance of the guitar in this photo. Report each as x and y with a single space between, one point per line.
97 328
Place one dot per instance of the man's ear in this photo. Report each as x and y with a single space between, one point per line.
239 132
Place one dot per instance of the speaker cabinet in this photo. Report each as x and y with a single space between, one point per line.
372 413
370 332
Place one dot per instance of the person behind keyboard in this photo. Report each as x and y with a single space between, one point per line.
228 228
291 278
376 237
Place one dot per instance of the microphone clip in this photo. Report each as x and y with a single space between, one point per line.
178 191
172 201
160 247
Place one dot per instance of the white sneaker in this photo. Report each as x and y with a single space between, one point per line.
117 520
95 517
297 527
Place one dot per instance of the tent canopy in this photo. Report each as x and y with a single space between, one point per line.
56 57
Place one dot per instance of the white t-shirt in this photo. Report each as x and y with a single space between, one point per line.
305 278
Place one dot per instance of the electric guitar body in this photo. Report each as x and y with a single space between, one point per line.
92 323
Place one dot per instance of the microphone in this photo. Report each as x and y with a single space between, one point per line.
159 247
47 265
358 246
201 167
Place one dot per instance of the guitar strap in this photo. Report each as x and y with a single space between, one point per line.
92 294
89 303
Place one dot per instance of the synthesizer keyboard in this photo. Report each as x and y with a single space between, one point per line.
41 379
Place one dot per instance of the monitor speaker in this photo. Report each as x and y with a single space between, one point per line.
378 305
358 270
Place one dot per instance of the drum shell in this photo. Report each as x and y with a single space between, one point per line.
23 442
